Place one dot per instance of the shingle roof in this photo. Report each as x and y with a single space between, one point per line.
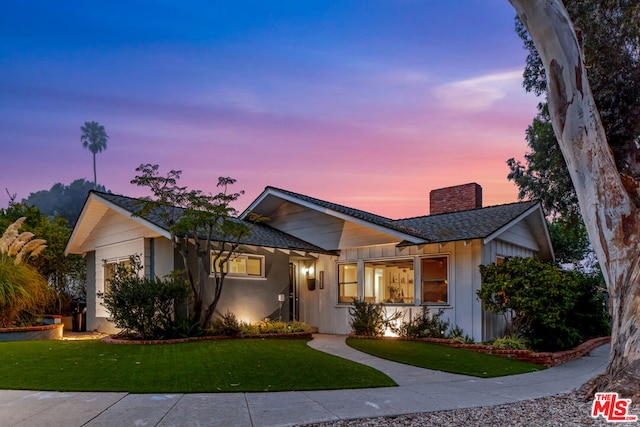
261 234
463 225
467 225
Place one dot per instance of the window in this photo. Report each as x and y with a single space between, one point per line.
389 281
249 266
435 280
347 283
110 271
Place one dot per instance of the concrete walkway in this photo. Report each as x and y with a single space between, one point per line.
420 390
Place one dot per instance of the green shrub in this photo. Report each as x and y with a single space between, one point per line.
510 342
272 327
426 325
143 307
590 315
226 325
456 334
247 328
546 305
371 320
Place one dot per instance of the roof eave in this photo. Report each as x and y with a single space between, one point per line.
118 209
310 205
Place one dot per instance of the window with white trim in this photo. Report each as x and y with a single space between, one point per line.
109 271
389 281
243 265
347 283
435 280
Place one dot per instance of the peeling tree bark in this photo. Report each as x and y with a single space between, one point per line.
609 212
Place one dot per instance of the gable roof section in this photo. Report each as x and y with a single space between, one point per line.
337 210
471 224
261 234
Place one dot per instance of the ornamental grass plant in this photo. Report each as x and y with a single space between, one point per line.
23 291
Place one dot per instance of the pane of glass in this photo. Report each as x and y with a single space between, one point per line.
389 281
109 272
238 265
434 268
347 283
347 273
254 266
434 291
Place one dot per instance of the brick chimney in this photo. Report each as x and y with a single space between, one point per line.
457 198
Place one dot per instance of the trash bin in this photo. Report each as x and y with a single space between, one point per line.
79 316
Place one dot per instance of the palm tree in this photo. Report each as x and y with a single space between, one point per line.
95 139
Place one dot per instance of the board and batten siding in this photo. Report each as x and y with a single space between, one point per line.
463 310
494 324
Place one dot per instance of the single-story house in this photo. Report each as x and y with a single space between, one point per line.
311 257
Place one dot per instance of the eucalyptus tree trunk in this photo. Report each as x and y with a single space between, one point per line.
607 199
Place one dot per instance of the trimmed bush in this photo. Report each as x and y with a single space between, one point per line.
543 303
371 320
427 325
143 307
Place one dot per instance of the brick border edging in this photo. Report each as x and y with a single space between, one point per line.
547 359
114 340
31 333
29 328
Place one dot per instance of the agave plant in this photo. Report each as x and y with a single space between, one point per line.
23 290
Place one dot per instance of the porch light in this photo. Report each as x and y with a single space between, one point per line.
310 273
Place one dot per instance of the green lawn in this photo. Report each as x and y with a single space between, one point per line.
442 358
247 365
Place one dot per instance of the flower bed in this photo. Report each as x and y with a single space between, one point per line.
543 358
547 359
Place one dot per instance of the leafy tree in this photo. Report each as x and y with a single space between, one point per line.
66 275
609 32
95 138
143 307
570 241
606 185
63 200
200 225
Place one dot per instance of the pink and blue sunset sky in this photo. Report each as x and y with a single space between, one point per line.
370 104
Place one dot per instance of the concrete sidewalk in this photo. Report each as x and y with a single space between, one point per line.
420 390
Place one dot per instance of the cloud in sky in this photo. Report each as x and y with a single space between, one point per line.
478 93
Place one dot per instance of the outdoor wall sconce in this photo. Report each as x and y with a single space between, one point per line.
310 274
